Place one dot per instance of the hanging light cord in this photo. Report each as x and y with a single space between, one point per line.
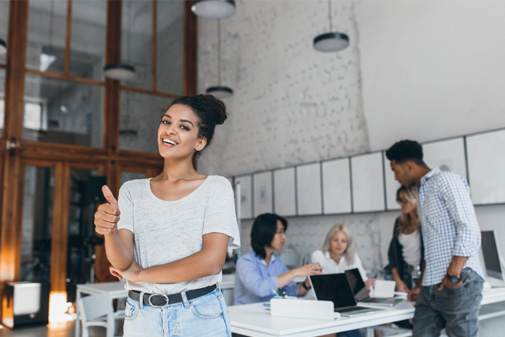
219 52
329 14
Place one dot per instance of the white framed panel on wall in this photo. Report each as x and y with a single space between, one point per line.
391 186
486 167
336 177
448 155
245 196
308 189
263 201
367 183
285 192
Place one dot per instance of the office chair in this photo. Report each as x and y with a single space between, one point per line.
97 310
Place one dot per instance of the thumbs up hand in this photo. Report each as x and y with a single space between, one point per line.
107 215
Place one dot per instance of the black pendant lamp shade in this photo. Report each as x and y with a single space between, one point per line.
219 90
214 9
332 41
122 71
3 47
119 71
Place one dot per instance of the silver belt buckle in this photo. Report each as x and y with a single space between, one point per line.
157 306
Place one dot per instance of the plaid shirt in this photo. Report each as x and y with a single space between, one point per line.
448 223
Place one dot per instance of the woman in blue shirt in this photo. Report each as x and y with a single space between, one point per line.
260 273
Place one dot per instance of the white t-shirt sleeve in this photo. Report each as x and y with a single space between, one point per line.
125 203
220 214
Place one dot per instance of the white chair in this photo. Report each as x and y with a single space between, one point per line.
97 310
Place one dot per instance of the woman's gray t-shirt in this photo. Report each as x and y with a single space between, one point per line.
166 231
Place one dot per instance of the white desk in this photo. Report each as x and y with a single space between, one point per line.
255 320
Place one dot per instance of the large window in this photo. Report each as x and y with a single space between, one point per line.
65 112
37 224
135 107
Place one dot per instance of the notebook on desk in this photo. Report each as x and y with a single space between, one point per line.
361 293
336 288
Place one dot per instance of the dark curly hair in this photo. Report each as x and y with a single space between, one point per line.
210 111
263 231
406 150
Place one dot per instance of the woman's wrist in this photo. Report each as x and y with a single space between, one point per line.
305 286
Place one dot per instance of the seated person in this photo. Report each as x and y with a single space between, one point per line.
260 273
338 254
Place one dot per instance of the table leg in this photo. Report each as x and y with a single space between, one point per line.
369 332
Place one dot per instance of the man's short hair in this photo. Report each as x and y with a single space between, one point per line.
406 150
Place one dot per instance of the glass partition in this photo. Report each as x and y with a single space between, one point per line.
37 224
85 194
87 47
136 41
170 47
66 112
45 46
139 121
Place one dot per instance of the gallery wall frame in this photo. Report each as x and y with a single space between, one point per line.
308 189
285 191
336 186
262 193
365 183
447 154
486 167
367 179
246 196
390 185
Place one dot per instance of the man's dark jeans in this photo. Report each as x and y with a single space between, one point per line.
456 309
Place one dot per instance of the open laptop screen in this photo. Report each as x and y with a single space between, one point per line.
357 285
333 287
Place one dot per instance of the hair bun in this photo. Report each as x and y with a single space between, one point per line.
218 108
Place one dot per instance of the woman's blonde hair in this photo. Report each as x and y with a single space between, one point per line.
350 251
412 196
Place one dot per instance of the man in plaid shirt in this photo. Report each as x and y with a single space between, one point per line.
449 291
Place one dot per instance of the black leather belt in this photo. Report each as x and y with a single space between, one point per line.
160 300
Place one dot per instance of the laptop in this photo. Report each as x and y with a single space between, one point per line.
336 288
361 293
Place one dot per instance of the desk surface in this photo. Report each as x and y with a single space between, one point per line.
255 320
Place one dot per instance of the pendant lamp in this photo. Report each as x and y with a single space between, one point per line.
3 47
122 71
214 9
332 41
219 90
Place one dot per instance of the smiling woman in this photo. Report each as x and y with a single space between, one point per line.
179 225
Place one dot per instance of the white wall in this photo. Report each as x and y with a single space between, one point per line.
431 69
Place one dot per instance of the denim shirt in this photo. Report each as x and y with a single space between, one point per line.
255 281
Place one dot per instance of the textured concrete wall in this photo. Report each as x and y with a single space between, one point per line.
292 104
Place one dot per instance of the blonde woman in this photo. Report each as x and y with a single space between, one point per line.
406 248
338 253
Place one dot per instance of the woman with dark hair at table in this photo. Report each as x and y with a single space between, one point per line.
261 274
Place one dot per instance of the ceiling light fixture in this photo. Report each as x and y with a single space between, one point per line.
332 41
122 71
214 9
3 47
219 90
